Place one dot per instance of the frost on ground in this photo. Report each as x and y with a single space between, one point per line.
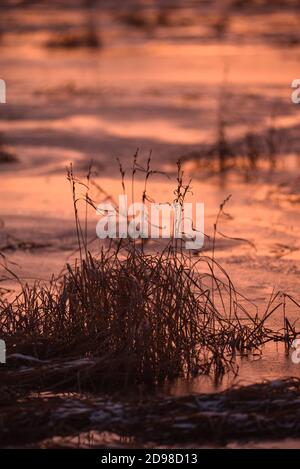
257 412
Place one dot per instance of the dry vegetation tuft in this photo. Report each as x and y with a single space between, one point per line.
137 317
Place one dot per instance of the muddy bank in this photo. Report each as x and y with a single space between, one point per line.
261 412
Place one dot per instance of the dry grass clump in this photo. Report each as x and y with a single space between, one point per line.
139 317
136 318
150 315
161 17
6 156
88 39
75 41
251 152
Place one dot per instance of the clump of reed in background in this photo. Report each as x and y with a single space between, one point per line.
6 156
161 17
88 37
254 150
